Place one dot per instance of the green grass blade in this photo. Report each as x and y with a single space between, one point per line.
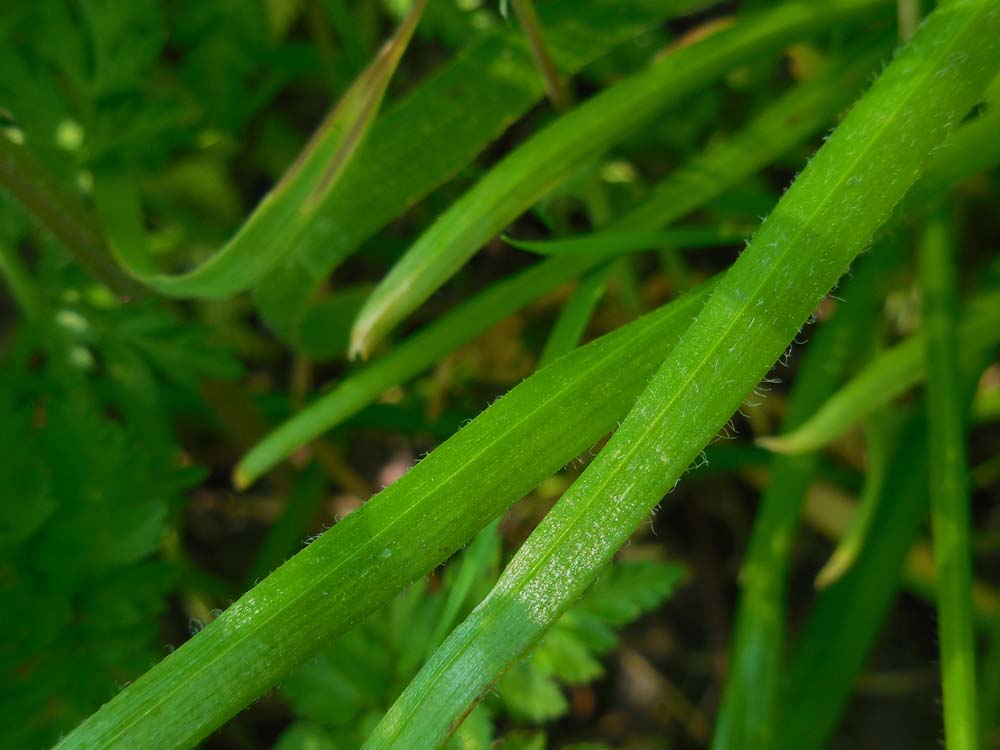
971 149
834 642
949 491
429 136
787 122
284 215
576 313
621 242
287 533
890 374
395 538
482 554
847 616
827 216
747 715
880 432
416 354
568 144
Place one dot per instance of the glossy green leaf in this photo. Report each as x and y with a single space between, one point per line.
971 149
295 204
831 211
567 145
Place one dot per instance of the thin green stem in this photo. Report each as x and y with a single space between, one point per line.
949 484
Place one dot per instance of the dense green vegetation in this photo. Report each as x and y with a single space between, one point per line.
594 373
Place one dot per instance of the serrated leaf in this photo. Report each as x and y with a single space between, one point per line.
626 590
563 656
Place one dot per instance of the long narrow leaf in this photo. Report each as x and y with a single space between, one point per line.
949 490
880 433
890 374
842 626
282 217
791 119
416 354
396 537
989 696
418 144
575 314
568 144
827 216
747 714
847 616
631 242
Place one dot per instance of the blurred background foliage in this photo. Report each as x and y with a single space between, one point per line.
119 423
